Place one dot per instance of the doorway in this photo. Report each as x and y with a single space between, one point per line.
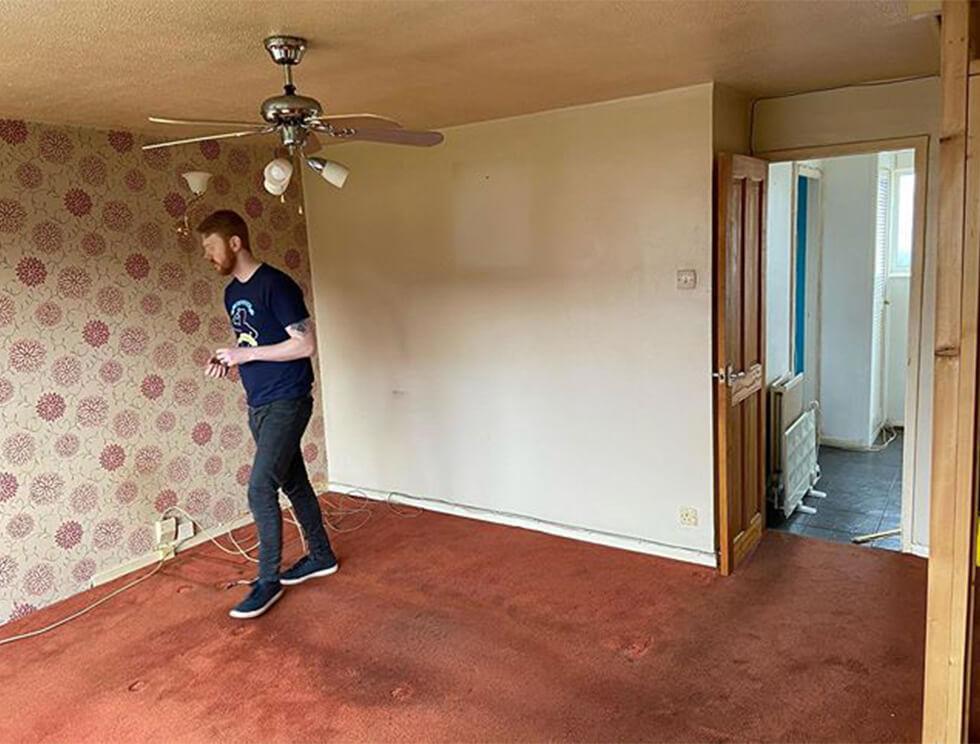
843 291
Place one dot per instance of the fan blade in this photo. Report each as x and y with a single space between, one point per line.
356 121
390 136
206 122
312 144
229 135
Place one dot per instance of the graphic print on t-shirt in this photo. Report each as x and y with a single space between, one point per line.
245 333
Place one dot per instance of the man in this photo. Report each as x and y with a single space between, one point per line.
275 340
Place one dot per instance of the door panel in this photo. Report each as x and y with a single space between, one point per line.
740 414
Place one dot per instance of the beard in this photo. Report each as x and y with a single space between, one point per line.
223 268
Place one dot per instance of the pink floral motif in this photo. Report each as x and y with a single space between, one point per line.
111 371
47 488
29 176
69 535
148 460
152 387
210 149
264 241
56 146
133 340
6 310
113 457
140 541
126 492
92 411
231 436
218 329
213 404
292 258
165 355
279 217
166 421
185 391
198 501
22 610
74 282
135 180
239 160
20 526
213 465
48 314
67 445
179 469
19 449
8 486
253 207
117 216
95 333
93 244
78 202
174 204
39 579
243 474
201 356
202 433
108 534
221 184
224 510
91 169
110 300
50 407
8 570
299 235
151 304
200 292
157 159
31 271
66 370
316 428
121 141
165 500
27 355
189 322
47 237
13 131
6 390
126 423
12 216
150 236
311 452
83 570
84 498
171 276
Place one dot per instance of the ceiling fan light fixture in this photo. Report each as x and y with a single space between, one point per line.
331 171
197 181
277 176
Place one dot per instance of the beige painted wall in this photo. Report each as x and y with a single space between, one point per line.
499 322
872 113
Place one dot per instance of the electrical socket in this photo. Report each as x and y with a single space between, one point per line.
166 531
185 530
689 516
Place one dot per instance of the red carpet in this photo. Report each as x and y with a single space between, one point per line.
445 629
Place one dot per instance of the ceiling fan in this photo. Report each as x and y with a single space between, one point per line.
298 120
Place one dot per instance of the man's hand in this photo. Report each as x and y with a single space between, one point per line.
233 357
215 369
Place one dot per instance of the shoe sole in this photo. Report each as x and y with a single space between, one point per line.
316 574
239 615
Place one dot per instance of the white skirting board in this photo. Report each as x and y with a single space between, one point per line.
920 550
612 540
148 559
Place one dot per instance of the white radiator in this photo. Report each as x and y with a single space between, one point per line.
793 467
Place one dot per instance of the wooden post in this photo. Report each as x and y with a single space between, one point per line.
949 617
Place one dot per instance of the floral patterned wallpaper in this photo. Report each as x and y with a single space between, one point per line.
106 320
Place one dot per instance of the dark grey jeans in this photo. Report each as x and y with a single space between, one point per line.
277 428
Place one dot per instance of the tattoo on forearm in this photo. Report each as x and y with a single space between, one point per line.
302 327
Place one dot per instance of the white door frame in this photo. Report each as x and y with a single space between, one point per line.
920 145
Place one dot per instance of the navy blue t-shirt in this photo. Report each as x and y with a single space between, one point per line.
260 309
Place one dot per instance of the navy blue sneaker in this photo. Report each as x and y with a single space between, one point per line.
308 567
264 594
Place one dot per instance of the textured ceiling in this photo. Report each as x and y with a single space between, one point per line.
110 63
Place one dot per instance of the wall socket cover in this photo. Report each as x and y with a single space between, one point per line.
687 279
689 516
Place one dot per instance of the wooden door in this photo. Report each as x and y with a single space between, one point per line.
740 343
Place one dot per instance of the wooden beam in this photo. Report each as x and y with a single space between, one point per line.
952 508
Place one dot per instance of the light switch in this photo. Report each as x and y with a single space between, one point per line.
687 279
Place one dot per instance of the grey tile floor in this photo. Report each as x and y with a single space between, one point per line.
864 494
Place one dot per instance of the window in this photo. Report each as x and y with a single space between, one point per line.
903 209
